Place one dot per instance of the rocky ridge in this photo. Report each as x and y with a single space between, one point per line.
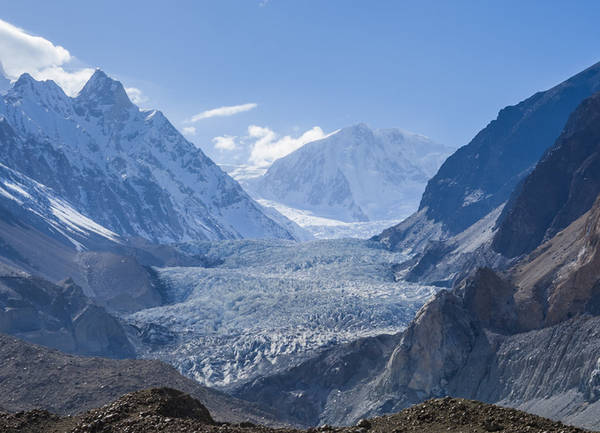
168 410
563 186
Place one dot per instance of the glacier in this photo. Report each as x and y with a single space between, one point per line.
260 306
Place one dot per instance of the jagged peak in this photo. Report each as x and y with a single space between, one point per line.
43 91
104 90
24 79
27 81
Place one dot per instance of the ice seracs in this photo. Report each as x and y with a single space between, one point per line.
260 306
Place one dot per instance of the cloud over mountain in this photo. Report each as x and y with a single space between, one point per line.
22 52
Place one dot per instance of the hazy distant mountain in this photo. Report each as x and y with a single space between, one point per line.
355 175
128 170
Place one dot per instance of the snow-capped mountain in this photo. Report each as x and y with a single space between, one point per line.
127 169
356 174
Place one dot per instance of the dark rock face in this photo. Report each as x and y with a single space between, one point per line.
490 299
301 395
480 176
502 153
59 316
562 187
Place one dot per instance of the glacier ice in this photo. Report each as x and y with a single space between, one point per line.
261 306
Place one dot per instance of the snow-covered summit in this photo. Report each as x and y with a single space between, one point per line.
102 92
128 169
355 174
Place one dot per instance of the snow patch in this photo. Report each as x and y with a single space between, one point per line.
327 228
472 197
77 222
16 188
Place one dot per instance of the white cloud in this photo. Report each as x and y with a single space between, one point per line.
137 97
261 146
223 111
268 146
189 130
225 142
21 52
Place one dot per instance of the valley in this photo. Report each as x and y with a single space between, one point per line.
344 279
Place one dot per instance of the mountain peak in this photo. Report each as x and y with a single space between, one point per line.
358 128
359 131
24 78
103 90
27 81
46 92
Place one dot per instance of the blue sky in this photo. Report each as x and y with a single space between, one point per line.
442 69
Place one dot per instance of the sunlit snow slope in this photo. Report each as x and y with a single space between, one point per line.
353 183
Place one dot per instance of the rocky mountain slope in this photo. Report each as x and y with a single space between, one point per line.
44 235
164 409
496 331
34 377
480 177
527 339
59 316
126 169
563 186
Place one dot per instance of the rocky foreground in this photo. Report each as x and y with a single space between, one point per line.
169 410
